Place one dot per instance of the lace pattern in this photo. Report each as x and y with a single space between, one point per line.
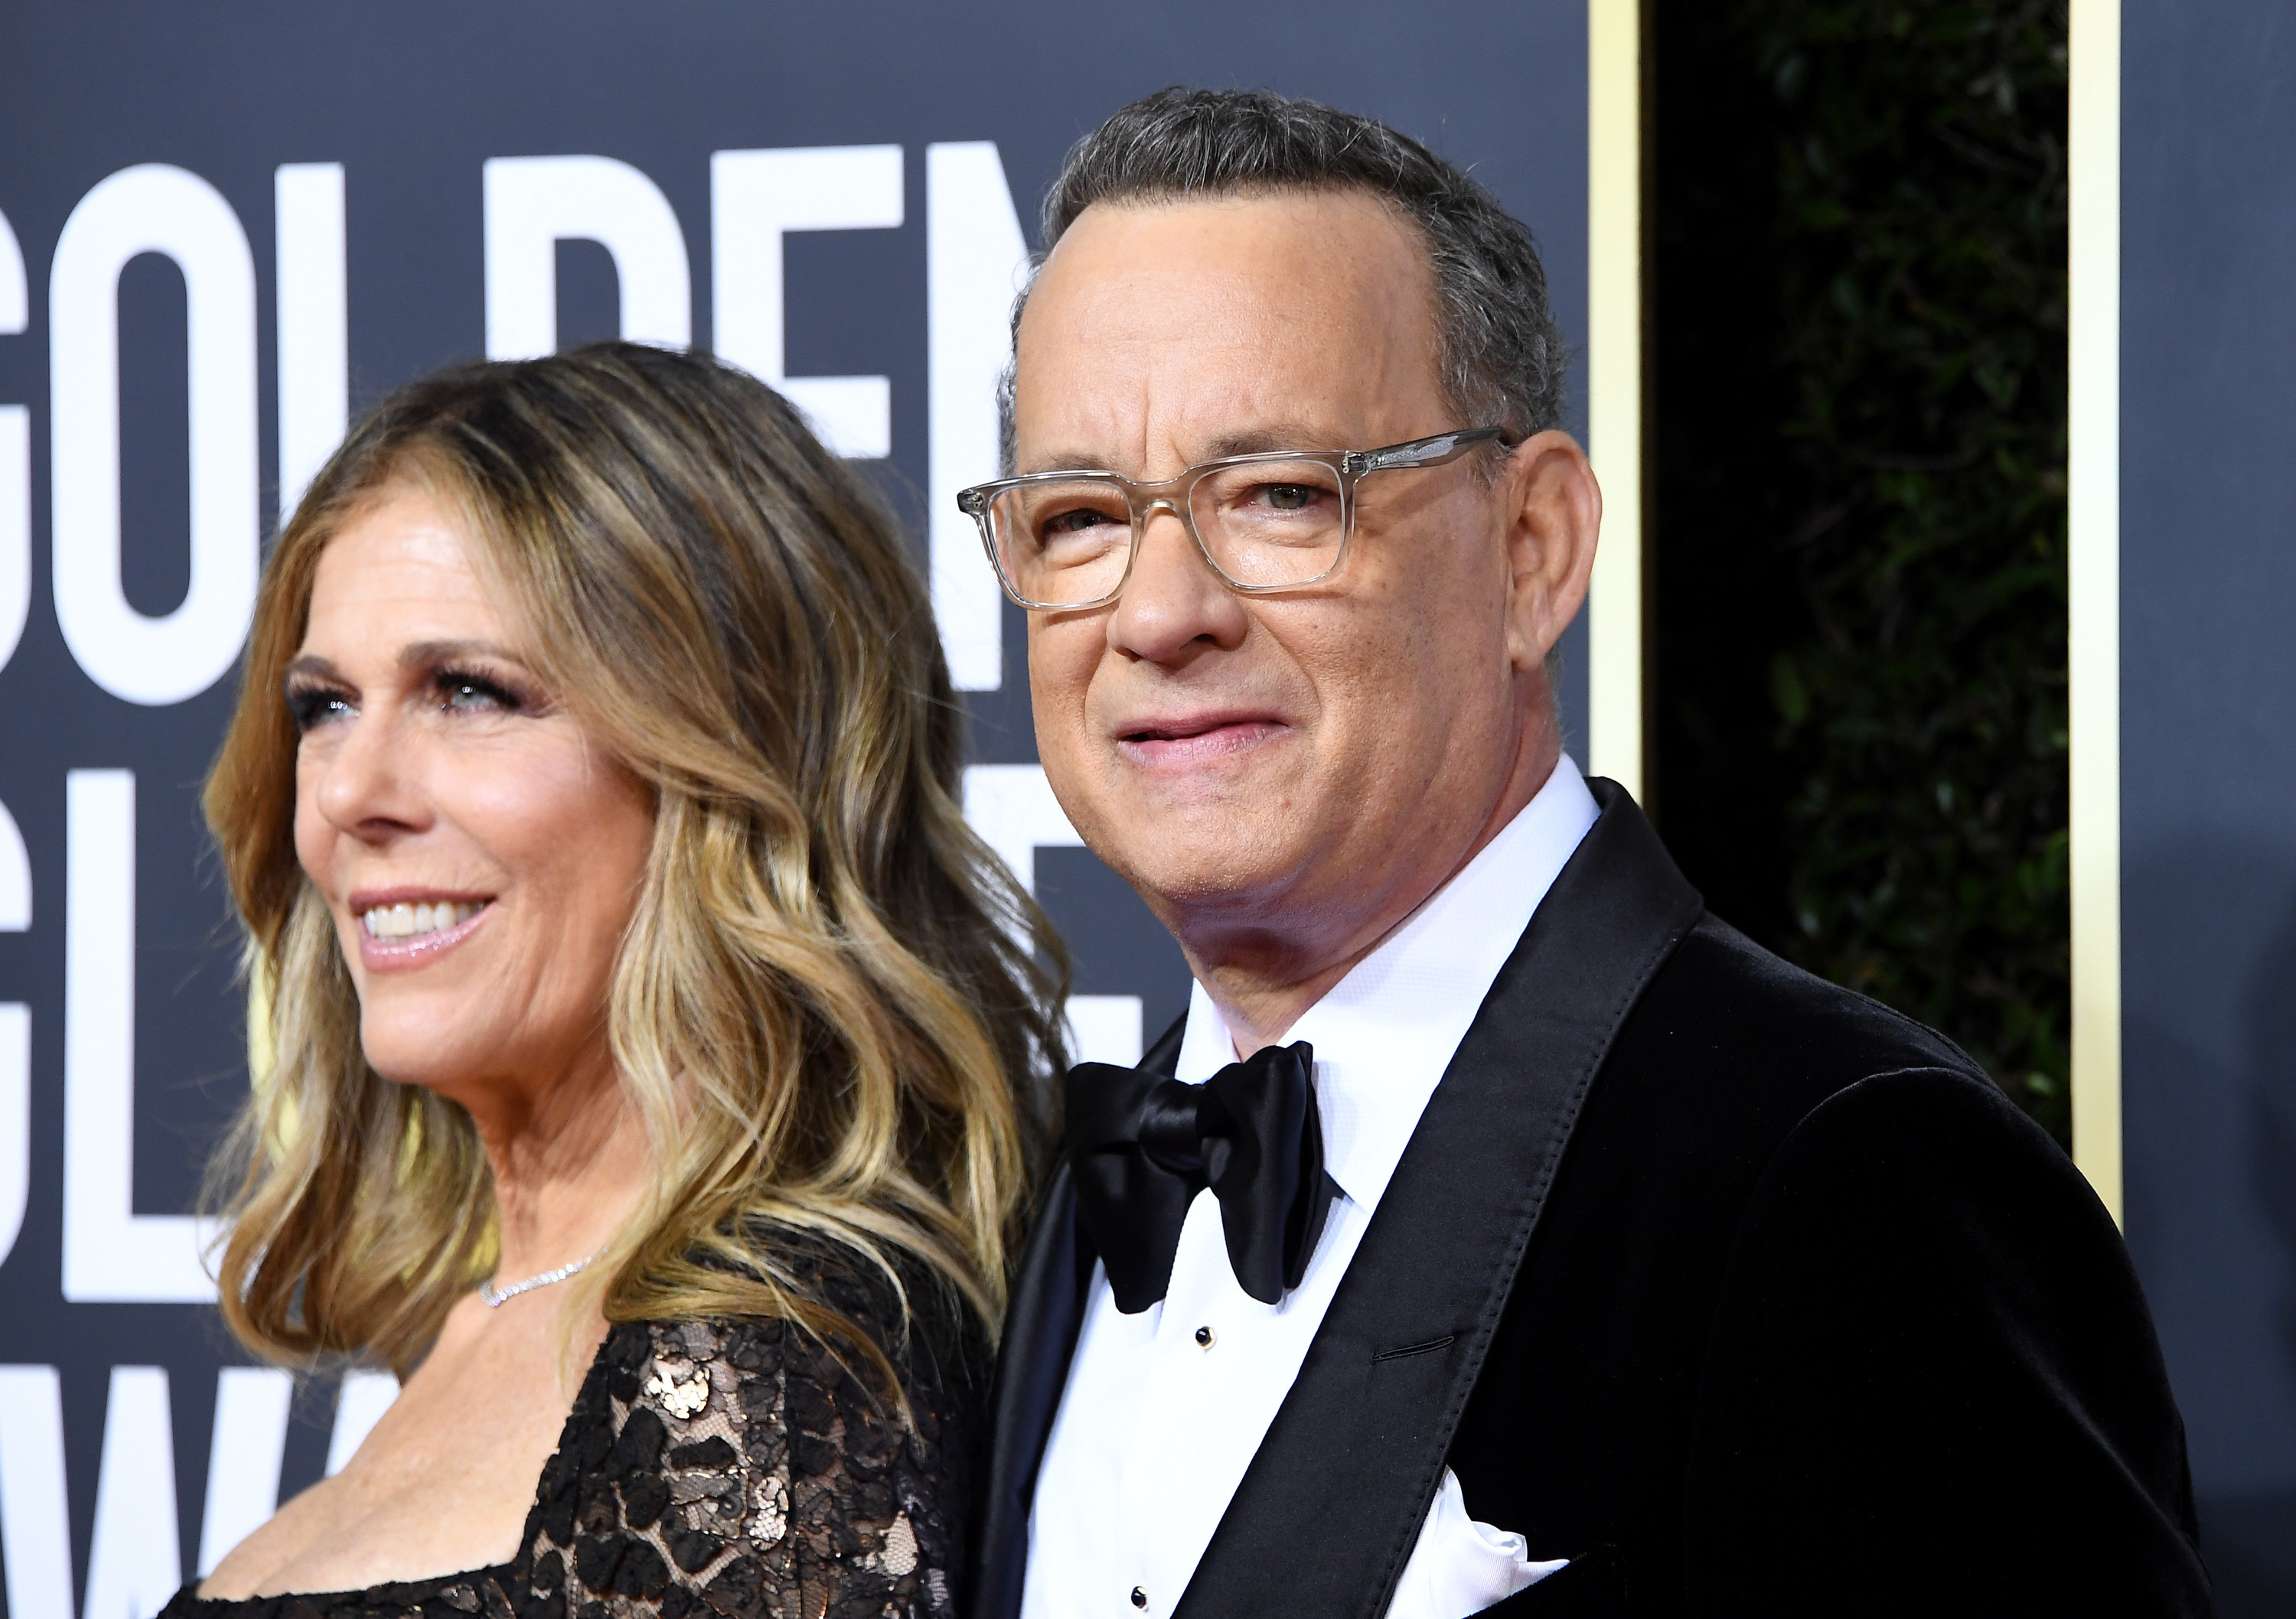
734 1468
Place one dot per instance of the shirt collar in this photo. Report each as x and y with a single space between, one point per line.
1384 1033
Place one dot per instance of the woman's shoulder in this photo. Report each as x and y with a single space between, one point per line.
857 1314
754 1464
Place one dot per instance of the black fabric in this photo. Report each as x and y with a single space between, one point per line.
1140 1146
1813 1320
736 1468
1821 1323
1382 1389
1592 1585
1033 1365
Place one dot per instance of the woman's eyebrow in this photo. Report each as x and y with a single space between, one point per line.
413 655
420 654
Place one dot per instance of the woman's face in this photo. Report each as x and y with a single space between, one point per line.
481 858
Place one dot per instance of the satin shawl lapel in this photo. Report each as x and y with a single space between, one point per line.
1032 1370
1333 1502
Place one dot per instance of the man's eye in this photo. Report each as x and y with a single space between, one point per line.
312 706
1076 521
1288 497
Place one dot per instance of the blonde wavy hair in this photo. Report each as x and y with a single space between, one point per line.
836 1012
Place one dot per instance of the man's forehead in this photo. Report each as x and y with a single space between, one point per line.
1286 246
1222 326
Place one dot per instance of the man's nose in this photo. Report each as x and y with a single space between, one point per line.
1173 600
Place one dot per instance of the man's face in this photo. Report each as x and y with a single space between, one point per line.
1274 760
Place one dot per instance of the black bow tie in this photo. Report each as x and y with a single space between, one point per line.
1142 1146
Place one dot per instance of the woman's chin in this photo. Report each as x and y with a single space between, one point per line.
429 1058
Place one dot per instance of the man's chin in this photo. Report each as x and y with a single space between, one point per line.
1187 875
1217 833
1207 796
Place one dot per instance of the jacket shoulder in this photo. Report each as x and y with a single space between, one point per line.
1737 1046
1930 1335
1724 994
1805 1280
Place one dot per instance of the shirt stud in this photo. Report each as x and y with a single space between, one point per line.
1139 1598
1205 1337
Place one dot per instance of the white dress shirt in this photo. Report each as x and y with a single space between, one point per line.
1164 1409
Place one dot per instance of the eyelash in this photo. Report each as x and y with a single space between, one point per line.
310 704
449 683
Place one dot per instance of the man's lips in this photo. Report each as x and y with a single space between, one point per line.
1195 738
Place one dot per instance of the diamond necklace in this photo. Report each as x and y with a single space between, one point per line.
495 1298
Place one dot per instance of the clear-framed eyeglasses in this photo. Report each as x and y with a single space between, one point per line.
1273 521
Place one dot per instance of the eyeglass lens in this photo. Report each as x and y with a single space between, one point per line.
1264 523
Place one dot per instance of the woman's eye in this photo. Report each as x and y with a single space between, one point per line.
462 693
312 706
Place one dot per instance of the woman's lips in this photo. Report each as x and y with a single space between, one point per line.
1184 744
404 955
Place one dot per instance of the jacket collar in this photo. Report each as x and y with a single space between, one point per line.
1049 1296
1378 1399
1354 1457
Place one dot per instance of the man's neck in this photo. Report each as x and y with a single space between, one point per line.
1264 977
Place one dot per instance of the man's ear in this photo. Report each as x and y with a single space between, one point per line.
1555 511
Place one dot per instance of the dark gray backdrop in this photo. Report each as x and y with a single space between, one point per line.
412 99
2208 585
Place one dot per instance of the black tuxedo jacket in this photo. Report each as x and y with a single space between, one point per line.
1744 1293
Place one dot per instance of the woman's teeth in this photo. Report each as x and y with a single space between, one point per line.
413 921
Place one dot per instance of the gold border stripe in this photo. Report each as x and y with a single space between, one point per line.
2093 587
1614 386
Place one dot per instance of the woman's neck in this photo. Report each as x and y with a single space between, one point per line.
568 1168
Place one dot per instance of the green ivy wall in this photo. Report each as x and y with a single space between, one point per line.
1858 397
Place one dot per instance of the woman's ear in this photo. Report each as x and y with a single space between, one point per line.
1553 509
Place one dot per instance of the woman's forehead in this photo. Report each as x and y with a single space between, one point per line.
404 555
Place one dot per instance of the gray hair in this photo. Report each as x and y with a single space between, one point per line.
1500 356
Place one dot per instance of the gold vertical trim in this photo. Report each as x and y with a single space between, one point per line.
1615 385
2093 586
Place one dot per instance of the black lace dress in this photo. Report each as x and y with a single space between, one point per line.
729 1468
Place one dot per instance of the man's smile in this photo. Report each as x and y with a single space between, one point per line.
1203 737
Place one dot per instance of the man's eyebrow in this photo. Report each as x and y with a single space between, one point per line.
1245 441
1065 461
1259 440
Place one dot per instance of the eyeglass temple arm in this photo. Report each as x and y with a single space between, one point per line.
1421 452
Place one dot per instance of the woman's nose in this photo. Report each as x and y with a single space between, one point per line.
365 787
